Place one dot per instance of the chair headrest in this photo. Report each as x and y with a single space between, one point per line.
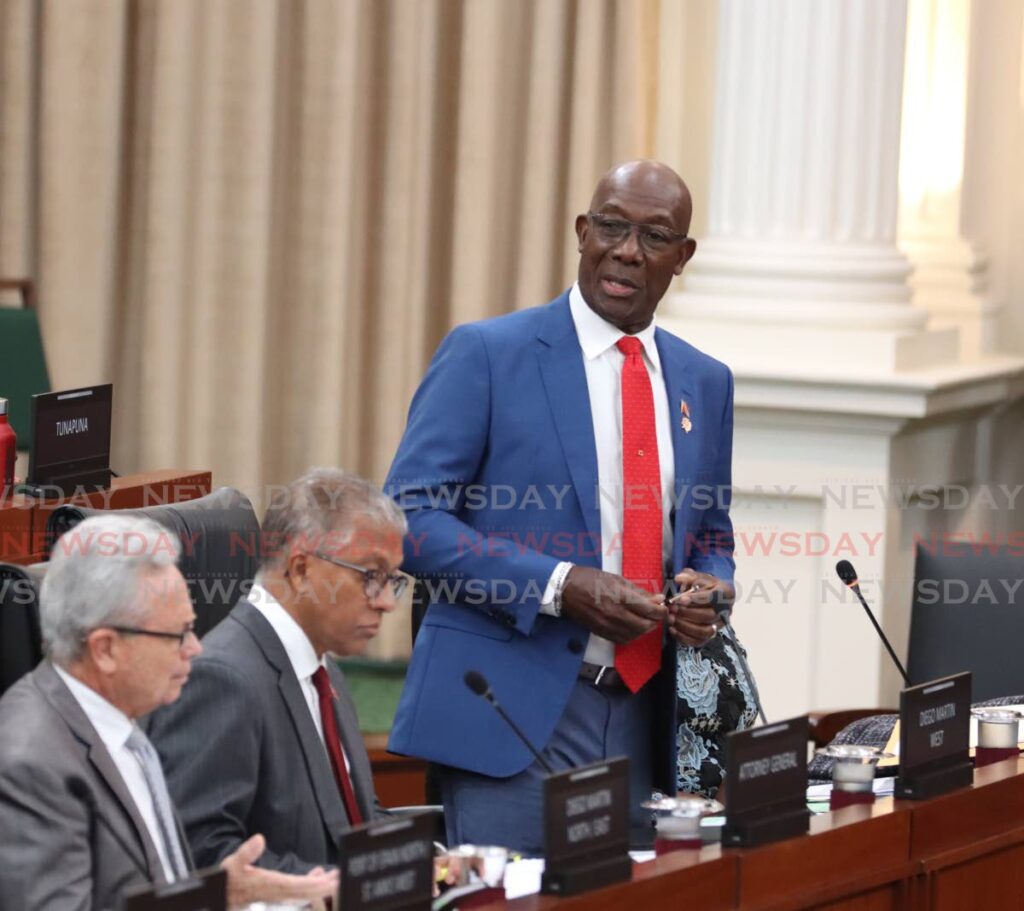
220 545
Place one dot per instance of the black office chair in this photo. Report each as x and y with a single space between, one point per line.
21 645
968 615
220 538
875 730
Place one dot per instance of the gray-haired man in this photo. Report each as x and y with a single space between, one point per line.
84 808
266 738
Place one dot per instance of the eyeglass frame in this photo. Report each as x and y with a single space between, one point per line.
399 581
190 629
674 237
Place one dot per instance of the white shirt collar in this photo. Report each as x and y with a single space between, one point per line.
113 725
296 643
597 335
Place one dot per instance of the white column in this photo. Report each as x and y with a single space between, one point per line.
950 272
803 197
849 400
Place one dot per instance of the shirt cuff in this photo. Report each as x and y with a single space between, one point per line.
557 580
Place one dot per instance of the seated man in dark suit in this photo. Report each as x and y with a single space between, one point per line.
84 809
265 738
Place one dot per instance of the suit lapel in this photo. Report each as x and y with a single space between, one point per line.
678 387
565 382
190 861
318 765
59 696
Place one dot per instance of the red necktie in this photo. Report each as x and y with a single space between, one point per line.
642 561
332 739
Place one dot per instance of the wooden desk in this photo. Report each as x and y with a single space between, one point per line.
702 880
969 845
23 519
400 781
959 852
856 858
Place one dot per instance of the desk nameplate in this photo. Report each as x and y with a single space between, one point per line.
935 724
766 771
586 824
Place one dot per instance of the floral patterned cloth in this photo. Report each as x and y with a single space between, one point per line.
713 698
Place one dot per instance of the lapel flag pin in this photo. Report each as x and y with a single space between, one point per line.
684 411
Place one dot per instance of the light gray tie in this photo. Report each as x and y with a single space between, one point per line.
139 744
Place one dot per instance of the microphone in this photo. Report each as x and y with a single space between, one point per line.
477 682
848 575
82 792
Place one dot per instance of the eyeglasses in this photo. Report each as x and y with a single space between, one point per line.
374 580
189 630
653 238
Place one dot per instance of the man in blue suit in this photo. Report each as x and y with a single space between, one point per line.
559 465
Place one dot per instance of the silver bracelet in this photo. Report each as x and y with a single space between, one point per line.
562 573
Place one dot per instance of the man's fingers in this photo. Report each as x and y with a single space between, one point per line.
703 616
649 610
686 579
694 626
248 852
701 596
625 628
284 886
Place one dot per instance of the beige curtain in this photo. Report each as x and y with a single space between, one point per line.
258 218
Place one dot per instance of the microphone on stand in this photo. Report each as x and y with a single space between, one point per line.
477 682
848 575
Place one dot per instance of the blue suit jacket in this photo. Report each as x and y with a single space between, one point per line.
497 474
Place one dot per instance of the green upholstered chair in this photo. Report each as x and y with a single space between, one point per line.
23 370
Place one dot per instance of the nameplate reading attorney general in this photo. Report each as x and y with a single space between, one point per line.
766 784
935 725
387 865
586 820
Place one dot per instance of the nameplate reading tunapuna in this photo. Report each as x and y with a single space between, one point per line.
586 819
766 780
387 865
935 726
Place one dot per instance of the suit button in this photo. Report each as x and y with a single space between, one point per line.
575 646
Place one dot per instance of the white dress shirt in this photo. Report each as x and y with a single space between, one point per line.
114 728
299 650
602 362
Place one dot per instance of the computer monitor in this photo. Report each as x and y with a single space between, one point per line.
968 615
71 439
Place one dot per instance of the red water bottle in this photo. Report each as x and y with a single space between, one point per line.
8 451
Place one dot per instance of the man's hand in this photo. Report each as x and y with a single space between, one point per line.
693 617
610 606
247 884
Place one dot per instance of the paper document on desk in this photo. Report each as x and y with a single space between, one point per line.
821 793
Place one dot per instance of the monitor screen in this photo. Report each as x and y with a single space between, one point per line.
968 615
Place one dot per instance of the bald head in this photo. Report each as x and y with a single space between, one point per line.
652 180
633 242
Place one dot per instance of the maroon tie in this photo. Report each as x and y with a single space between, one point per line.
642 561
333 741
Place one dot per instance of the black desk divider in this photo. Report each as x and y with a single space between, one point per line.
586 824
766 784
387 865
206 890
935 726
